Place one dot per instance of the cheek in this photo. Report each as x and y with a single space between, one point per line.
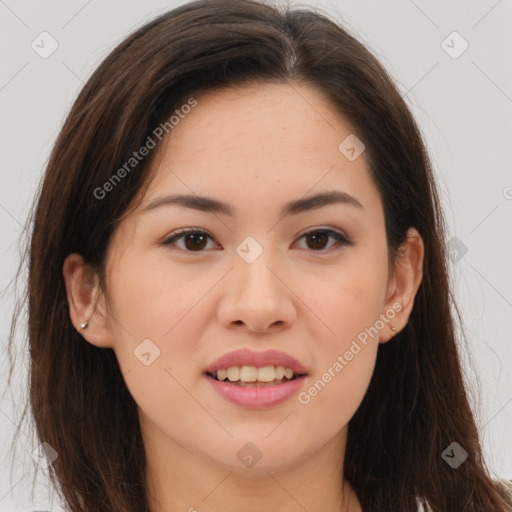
151 297
346 341
345 353
154 324
331 397
158 311
344 303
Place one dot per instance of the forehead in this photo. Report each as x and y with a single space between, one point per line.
267 141
261 120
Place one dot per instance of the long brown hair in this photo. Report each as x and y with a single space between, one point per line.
417 402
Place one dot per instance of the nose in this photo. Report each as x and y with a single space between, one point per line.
257 298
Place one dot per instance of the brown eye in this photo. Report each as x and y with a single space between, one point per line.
194 240
317 239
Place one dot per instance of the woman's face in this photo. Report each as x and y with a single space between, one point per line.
261 277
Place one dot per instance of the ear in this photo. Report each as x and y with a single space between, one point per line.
404 284
86 300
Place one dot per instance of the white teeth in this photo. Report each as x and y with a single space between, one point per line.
266 374
254 374
280 371
233 373
248 374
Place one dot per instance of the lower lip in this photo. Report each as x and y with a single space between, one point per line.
257 397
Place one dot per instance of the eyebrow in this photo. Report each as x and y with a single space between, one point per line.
207 204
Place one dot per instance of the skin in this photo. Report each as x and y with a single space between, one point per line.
255 148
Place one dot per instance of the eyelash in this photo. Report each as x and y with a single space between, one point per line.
342 240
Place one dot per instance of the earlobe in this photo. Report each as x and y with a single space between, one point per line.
393 331
85 301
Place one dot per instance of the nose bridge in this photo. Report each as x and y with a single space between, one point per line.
255 293
254 268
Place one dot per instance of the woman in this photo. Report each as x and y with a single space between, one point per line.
238 288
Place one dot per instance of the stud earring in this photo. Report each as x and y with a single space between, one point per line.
83 326
394 330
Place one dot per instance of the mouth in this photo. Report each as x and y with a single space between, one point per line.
256 380
249 392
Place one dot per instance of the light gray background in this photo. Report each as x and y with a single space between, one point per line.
463 106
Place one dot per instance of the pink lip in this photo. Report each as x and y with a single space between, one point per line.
246 357
257 397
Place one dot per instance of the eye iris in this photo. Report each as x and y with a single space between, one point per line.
318 234
198 237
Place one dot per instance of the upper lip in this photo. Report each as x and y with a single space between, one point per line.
246 357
